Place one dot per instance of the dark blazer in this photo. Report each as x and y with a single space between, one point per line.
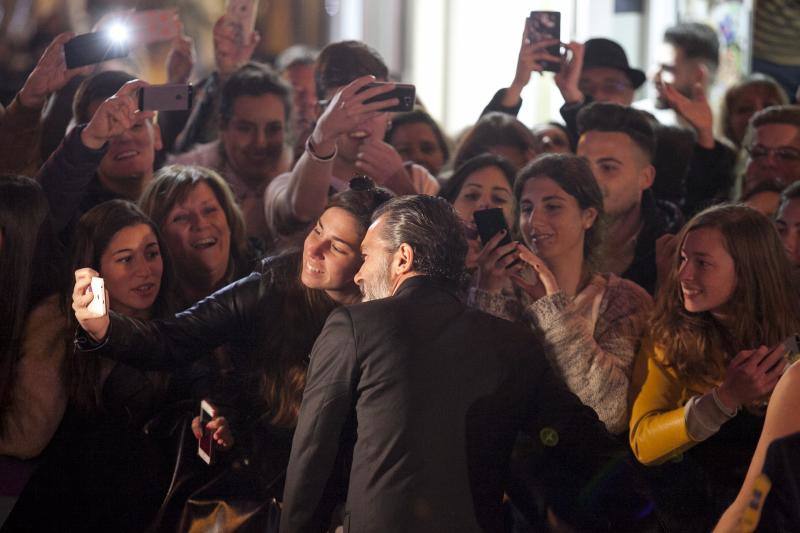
431 395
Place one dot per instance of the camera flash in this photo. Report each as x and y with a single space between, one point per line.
118 32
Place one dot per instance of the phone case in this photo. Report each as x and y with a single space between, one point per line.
91 48
489 222
98 304
242 15
207 412
405 93
542 26
167 97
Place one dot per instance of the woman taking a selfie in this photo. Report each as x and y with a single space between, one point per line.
590 322
268 320
716 351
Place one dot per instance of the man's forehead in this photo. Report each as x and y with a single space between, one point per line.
778 133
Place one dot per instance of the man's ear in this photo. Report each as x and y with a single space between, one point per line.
647 177
158 144
403 260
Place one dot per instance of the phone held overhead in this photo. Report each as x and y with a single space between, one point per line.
91 48
544 26
167 97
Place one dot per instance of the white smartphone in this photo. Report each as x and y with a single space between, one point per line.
205 446
242 15
98 304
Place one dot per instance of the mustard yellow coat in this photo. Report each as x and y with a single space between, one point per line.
657 425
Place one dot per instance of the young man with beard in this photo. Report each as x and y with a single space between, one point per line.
109 155
619 144
424 398
347 141
252 147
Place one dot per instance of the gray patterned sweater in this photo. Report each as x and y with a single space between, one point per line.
590 340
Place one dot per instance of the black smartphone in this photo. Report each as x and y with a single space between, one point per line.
404 92
543 26
91 48
489 223
205 446
168 97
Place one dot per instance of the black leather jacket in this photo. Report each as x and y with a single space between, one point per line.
260 320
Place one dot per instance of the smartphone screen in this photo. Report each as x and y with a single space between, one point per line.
542 26
404 92
205 447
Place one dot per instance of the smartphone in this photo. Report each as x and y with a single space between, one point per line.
205 446
489 223
543 26
91 48
168 97
152 25
241 15
98 304
404 92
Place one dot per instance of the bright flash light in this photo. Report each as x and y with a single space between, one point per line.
117 32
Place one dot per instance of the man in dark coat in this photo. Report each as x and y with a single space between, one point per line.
422 396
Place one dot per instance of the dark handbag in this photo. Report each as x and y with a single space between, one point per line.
240 493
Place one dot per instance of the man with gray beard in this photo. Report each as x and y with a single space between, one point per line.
424 397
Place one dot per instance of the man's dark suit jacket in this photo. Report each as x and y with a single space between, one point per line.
432 394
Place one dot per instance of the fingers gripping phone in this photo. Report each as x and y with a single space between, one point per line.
168 97
98 304
205 446
543 26
241 14
489 223
404 92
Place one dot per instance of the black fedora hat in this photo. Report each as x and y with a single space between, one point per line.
600 52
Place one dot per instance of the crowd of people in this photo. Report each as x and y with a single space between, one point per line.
309 264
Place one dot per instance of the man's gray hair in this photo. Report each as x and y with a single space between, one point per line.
434 231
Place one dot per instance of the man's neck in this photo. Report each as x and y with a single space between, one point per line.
625 226
129 188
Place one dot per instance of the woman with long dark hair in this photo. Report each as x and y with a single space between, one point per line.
126 249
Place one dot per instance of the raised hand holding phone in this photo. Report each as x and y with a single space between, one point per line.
96 325
49 75
115 116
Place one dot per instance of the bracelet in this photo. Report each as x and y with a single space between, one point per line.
722 407
316 157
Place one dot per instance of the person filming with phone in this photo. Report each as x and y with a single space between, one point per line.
591 322
346 141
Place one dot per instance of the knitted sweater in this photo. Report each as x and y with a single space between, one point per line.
590 340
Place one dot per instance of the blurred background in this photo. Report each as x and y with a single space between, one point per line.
457 52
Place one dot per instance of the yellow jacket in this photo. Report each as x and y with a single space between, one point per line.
657 425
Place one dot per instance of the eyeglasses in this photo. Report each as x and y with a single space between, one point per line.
608 87
361 183
784 153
